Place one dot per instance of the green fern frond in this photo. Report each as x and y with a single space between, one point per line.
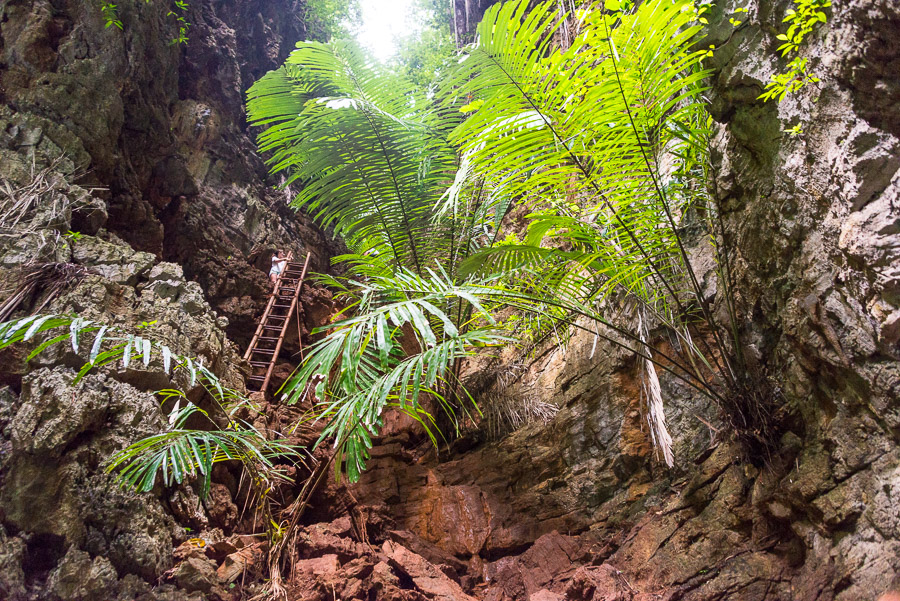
179 454
371 164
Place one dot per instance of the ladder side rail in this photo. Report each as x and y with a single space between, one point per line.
297 309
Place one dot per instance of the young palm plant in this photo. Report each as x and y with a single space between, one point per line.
180 452
608 138
374 161
605 135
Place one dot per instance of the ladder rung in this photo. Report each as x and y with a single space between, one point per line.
264 351
256 378
272 327
268 338
260 363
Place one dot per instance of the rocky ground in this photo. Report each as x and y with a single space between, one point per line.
143 177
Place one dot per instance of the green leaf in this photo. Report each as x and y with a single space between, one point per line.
16 326
98 340
126 356
35 327
75 328
43 346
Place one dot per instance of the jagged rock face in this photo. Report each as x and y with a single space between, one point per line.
53 487
163 128
70 531
139 147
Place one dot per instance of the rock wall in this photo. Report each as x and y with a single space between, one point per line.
131 163
161 129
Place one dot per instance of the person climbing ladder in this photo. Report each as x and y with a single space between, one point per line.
288 277
278 263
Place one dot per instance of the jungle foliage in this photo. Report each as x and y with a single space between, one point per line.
177 12
326 19
802 19
602 132
178 453
428 51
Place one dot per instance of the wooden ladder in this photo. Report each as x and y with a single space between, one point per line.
273 325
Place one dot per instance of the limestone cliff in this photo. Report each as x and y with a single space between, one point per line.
158 132
127 167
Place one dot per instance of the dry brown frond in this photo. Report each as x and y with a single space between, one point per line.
36 205
504 413
47 279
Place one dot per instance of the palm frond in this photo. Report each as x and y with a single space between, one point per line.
362 145
399 345
179 454
108 345
598 118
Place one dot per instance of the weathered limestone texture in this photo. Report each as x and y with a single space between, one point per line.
131 161
161 129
